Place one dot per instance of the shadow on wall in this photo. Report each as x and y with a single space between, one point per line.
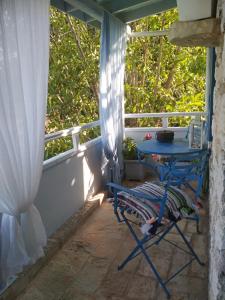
67 185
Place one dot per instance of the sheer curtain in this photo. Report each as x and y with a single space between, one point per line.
24 44
112 65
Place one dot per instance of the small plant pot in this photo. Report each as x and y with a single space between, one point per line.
134 170
165 136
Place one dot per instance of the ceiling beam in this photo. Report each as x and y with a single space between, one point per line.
78 14
75 12
59 4
144 11
69 8
95 24
85 18
125 10
89 7
124 5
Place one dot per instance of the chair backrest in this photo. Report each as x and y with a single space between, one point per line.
184 168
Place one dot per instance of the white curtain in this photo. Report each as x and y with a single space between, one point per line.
112 65
24 44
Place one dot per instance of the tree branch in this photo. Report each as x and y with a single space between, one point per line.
92 85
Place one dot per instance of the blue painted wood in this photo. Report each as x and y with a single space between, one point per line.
153 7
183 165
60 4
116 6
175 148
85 10
125 10
211 85
141 244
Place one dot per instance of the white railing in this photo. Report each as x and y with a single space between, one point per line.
164 116
138 133
73 131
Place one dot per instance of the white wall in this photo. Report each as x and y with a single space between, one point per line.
217 177
67 183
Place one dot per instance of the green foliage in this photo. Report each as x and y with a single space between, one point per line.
73 77
73 73
129 149
89 134
160 77
55 147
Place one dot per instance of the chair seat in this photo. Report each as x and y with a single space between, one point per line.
178 204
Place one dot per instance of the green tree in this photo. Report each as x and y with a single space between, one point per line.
160 77
73 73
73 78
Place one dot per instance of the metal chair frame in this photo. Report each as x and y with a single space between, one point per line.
182 169
147 241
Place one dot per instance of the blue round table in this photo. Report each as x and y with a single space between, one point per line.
181 165
175 148
175 152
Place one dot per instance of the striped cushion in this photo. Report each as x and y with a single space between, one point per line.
178 204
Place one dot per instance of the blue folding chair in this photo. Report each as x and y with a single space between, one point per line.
181 170
152 203
185 170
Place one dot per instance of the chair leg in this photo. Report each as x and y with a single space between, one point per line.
117 215
135 250
189 246
155 272
164 234
140 247
129 257
199 186
197 220
197 226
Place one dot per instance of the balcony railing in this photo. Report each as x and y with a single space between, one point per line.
74 133
180 132
164 116
79 173
135 132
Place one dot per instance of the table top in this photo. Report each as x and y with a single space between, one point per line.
174 148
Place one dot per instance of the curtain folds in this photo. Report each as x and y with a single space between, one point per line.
24 46
112 65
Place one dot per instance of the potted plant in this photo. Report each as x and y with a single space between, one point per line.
134 170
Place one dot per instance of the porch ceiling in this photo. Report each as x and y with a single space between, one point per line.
90 11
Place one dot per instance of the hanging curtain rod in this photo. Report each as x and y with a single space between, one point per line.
149 33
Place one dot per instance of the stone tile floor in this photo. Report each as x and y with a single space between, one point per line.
86 267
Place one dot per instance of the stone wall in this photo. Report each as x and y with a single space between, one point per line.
217 176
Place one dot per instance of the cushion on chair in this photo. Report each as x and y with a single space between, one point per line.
178 204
